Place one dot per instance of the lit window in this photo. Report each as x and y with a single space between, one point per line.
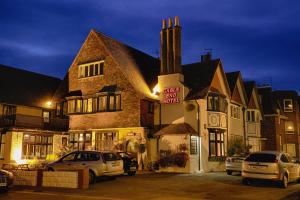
2 145
102 103
36 146
71 106
216 144
288 105
46 116
78 105
289 127
90 105
90 69
81 141
105 141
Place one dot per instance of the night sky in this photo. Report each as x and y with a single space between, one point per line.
261 38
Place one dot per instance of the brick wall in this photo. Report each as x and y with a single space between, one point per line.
94 50
25 178
60 179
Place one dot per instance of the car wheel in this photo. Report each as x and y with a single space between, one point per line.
246 181
131 173
284 181
92 177
229 172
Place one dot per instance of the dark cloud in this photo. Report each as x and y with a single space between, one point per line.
259 38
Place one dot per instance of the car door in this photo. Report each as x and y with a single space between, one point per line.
113 162
66 162
92 160
286 163
294 168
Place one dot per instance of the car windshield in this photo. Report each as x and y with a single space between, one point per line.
261 157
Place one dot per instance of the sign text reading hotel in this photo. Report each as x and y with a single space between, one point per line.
170 95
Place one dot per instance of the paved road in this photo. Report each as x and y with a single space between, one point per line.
165 186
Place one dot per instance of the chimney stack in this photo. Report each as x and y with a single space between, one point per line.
170 47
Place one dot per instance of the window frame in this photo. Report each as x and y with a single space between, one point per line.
215 142
32 145
2 145
286 127
91 69
286 108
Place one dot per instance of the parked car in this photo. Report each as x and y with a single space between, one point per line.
130 163
6 180
234 164
99 163
270 165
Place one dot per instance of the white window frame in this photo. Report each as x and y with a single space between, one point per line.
286 107
235 111
98 64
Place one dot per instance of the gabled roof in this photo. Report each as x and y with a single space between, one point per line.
21 87
249 86
140 68
198 77
232 78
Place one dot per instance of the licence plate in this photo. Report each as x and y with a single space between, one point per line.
258 167
3 184
115 164
132 168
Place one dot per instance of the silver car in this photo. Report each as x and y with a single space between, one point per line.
234 164
270 165
99 163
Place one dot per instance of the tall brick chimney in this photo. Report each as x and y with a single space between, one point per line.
170 47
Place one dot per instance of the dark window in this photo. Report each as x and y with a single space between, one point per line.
91 70
216 144
284 159
88 157
58 109
150 107
36 146
86 71
101 68
96 69
111 157
261 157
215 102
69 157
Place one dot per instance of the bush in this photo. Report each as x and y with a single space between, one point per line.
176 159
236 146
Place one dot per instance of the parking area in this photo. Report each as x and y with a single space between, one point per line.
164 186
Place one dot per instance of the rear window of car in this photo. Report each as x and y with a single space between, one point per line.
111 156
260 157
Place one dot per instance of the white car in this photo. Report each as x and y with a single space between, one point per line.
99 163
234 164
270 165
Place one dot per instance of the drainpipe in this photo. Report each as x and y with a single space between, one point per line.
198 130
244 127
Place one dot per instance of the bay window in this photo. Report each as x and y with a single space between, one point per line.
216 102
36 146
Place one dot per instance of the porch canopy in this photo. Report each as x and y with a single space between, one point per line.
176 129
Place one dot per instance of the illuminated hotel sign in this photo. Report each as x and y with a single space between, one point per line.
170 95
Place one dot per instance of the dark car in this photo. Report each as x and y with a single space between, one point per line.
6 180
130 163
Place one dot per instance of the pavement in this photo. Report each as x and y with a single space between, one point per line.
163 186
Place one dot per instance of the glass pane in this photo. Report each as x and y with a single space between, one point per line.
96 69
85 102
118 102
92 70
90 105
111 102
102 68
212 137
212 149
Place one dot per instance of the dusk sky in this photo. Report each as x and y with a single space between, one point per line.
261 38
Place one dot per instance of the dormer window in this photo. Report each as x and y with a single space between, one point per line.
288 105
91 69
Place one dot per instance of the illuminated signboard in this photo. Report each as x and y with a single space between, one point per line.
170 95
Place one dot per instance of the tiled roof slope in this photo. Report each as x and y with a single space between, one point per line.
139 67
22 87
232 78
198 77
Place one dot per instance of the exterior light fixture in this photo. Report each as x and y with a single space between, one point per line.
156 90
49 104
